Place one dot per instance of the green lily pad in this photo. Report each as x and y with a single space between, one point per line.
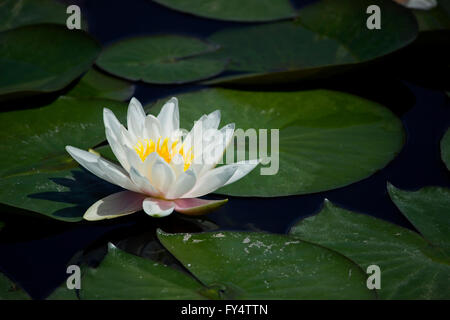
164 59
327 139
58 57
234 10
328 37
267 266
123 276
10 291
410 267
17 13
428 209
445 149
37 173
96 84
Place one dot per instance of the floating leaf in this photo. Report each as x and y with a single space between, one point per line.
327 139
16 13
123 276
428 209
234 10
10 291
37 173
161 59
267 266
329 36
43 58
410 267
95 84
445 148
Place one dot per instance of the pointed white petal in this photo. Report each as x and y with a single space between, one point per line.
117 149
169 117
244 168
115 205
135 118
102 168
162 176
143 184
195 206
421 4
184 184
158 208
177 164
152 128
211 181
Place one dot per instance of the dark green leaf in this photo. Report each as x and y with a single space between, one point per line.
161 59
267 266
327 139
10 291
445 149
329 36
410 267
43 58
234 10
428 209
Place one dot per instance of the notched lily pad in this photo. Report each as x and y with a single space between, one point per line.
163 59
234 10
59 57
410 267
327 139
267 266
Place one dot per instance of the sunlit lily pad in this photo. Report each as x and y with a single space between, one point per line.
163 59
410 267
16 13
327 139
43 58
10 291
96 84
234 10
36 172
125 276
267 266
445 149
329 36
428 209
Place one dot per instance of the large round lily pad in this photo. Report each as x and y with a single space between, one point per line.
43 58
161 59
234 10
37 173
329 36
327 139
256 266
410 267
16 13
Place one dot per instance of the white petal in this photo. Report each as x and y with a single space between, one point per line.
157 207
127 138
143 184
211 181
244 168
177 164
152 128
184 183
162 176
135 118
117 149
102 168
195 206
421 4
169 118
115 205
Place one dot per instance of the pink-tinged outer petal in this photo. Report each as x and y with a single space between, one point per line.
115 205
158 208
196 206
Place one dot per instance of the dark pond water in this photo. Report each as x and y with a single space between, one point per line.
35 252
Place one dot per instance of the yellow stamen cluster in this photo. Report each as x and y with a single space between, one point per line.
147 146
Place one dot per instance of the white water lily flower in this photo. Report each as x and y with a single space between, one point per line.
161 172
